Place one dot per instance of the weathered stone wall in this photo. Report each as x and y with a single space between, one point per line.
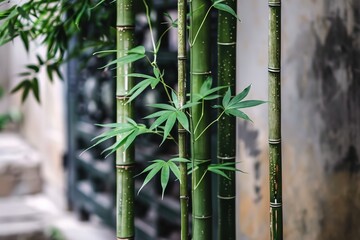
321 120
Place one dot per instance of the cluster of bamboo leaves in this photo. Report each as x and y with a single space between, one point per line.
53 24
170 113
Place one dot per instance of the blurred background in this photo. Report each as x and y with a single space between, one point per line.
49 191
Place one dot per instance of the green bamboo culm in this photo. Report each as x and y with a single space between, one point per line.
125 189
184 198
226 142
276 221
200 65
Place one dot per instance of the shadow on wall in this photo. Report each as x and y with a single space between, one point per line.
336 67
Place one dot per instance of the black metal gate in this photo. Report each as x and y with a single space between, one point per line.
91 185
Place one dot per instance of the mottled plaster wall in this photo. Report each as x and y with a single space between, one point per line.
321 120
42 125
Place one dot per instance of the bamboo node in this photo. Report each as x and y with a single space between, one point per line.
275 141
200 73
125 27
226 158
276 205
274 70
122 97
203 217
275 4
226 43
181 130
184 197
226 198
125 238
182 57
125 166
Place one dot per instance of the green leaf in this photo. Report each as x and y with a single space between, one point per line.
219 172
169 125
150 175
178 159
226 98
240 96
125 60
139 75
238 113
226 8
160 120
175 169
22 12
248 103
190 104
33 67
157 114
175 100
97 4
183 120
25 40
143 86
163 106
35 89
137 50
165 174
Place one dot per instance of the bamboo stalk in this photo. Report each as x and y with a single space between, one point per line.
124 159
200 66
276 224
226 141
184 198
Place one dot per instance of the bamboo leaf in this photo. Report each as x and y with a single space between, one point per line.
169 125
226 8
240 96
226 98
175 100
35 89
160 120
163 106
150 175
183 120
131 138
147 169
139 75
219 172
165 174
137 50
238 113
248 103
125 60
33 67
179 159
144 85
175 169
157 114
190 104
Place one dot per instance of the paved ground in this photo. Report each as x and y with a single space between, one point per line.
35 218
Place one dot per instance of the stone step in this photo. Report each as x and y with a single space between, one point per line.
35 217
20 167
